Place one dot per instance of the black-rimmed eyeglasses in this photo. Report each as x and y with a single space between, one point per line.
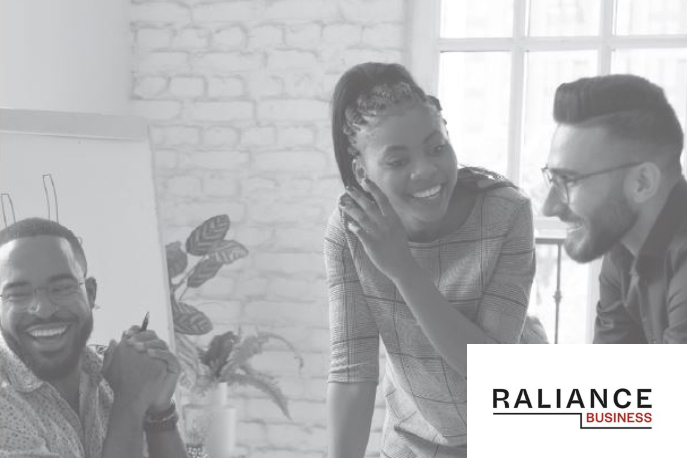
60 292
560 182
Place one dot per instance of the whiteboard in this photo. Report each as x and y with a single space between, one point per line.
101 171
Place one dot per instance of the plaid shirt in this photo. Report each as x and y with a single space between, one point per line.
36 422
484 269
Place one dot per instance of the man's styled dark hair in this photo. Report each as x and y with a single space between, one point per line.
626 106
34 227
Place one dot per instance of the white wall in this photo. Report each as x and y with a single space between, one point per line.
66 55
238 97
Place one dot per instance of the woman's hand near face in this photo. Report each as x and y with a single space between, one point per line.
379 229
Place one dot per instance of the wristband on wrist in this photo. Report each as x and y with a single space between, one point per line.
163 421
165 413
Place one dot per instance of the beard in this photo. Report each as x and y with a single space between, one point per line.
60 366
601 231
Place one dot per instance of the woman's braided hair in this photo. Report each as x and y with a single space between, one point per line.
366 110
362 95
367 91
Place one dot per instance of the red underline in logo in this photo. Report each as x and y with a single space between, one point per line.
572 413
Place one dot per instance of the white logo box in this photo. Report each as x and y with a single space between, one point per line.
660 368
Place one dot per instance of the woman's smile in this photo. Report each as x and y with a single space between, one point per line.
428 194
407 154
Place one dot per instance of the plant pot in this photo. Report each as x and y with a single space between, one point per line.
212 424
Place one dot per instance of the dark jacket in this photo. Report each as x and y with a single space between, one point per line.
645 300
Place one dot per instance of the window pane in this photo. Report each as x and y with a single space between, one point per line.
573 287
474 89
564 17
665 67
470 18
651 17
545 71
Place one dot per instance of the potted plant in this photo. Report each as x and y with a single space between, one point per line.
226 362
209 371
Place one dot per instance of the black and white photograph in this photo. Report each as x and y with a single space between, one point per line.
279 228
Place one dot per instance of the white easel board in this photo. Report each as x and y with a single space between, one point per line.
96 172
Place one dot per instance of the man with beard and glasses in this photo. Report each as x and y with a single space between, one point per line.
57 398
616 181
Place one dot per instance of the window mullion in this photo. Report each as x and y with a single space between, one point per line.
606 32
561 43
425 24
517 89
647 41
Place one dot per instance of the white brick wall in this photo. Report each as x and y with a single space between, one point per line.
238 94
231 38
231 87
186 87
191 38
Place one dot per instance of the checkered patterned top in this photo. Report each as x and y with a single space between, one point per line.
484 269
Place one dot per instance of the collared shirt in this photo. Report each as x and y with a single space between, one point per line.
484 270
36 422
644 300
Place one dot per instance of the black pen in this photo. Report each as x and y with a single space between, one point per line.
144 325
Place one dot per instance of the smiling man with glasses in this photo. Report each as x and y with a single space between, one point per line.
615 179
57 398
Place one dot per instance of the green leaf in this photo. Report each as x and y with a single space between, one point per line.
218 352
228 251
189 320
204 237
188 357
289 345
264 383
177 260
204 271
243 351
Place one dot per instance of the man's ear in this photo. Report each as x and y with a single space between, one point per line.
645 182
359 171
91 290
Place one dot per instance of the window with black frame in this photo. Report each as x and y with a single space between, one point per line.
496 65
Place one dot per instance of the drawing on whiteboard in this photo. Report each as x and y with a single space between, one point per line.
48 182
51 203
5 202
